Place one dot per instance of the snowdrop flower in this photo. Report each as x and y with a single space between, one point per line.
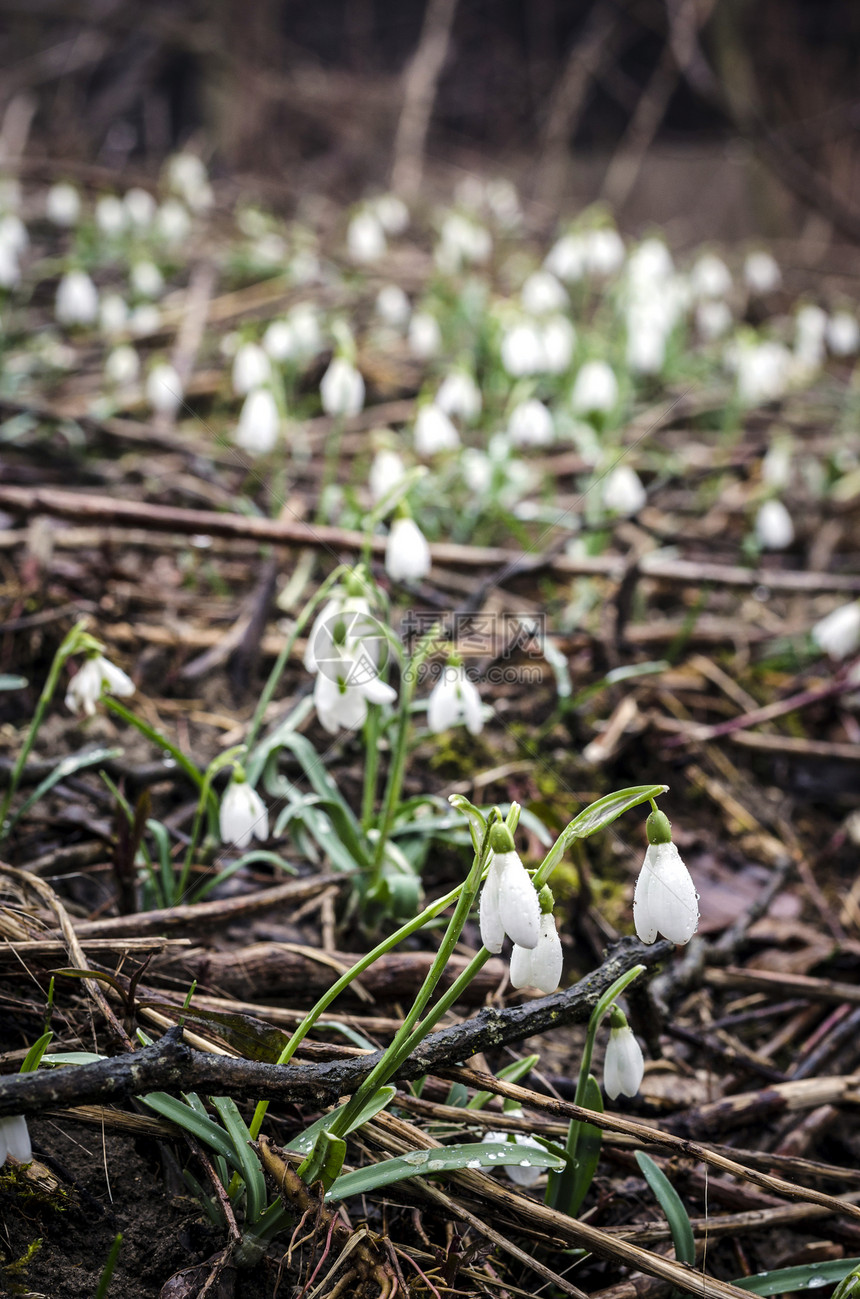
454 699
164 389
140 206
15 1140
113 314
424 336
242 816
13 232
646 339
531 424
567 258
809 338
665 900
341 701
477 470
622 491
776 464
843 333
251 369
365 237
259 423
145 319
96 676
386 472
122 366
839 633
434 432
624 1067
763 372
279 341
539 967
110 215
542 293
459 395
461 242
761 273
304 322
508 904
773 526
10 269
342 389
77 300
595 390
557 341
146 280
522 351
342 625
407 555
713 319
604 251
63 205
392 213
648 265
172 221
503 201
186 176
710 277
392 306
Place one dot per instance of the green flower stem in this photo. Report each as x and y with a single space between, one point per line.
74 642
284 656
218 764
412 926
371 766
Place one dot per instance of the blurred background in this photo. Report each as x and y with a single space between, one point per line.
716 119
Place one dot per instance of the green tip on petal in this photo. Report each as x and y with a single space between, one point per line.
501 839
617 1018
546 900
658 828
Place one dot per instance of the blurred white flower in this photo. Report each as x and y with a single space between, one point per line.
424 336
279 341
15 1139
386 472
459 395
509 904
113 314
773 526
567 259
541 966
342 389
622 491
522 351
259 423
713 319
10 269
96 676
462 241
110 215
146 280
595 390
454 699
761 273
776 464
710 277
341 703
557 342
407 555
243 815
304 322
63 205
365 237
542 293
838 635
392 212
251 369
647 334
604 251
434 432
503 201
624 1067
173 221
164 389
665 900
843 333
13 232
763 372
343 623
145 319
477 470
140 206
186 176
392 306
122 366
530 424
649 265
77 300
809 337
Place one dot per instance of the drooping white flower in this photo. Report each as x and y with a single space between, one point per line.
622 491
649 265
122 366
454 699
761 273
503 201
567 259
259 423
392 212
477 470
434 431
763 372
140 206
604 251
279 341
393 306
186 176
624 1067
522 350
665 900
341 701
173 221
146 280
809 338
63 205
508 904
424 336
77 300
461 242
164 389
407 554
242 815
542 293
342 389
251 369
541 966
10 268
776 464
710 277
96 676
838 634
557 341
365 237
15 1139
144 320
13 232
647 335
531 424
773 526
459 395
713 319
386 472
843 333
113 314
110 215
595 390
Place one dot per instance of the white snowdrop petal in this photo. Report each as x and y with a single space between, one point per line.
519 908
624 1066
15 1139
839 633
492 930
407 554
665 900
